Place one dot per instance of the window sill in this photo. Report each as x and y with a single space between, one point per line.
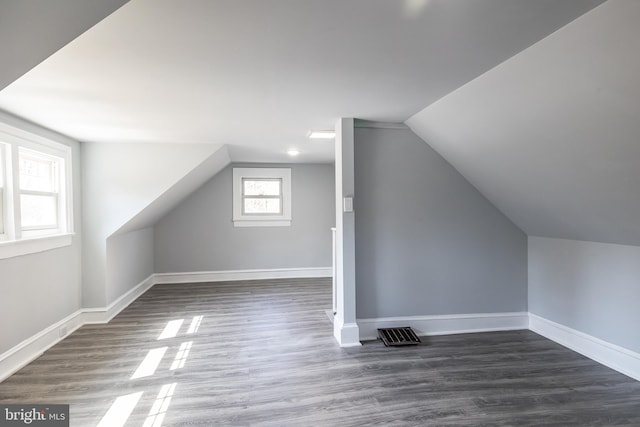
14 248
262 223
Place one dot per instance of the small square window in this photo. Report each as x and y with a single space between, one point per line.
261 197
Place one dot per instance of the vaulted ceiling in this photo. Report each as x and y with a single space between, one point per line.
552 135
32 30
258 75
536 103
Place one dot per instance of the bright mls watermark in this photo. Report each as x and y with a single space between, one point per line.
34 415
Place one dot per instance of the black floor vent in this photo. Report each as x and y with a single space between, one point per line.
398 336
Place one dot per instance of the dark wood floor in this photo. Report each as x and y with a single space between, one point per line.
263 355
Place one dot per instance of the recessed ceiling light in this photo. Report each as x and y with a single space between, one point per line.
322 134
293 153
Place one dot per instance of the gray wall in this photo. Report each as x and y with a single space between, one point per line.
38 290
129 261
591 287
427 242
199 235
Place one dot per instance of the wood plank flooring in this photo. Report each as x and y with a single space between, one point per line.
264 355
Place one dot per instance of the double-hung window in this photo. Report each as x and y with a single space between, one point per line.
39 176
2 191
261 197
35 193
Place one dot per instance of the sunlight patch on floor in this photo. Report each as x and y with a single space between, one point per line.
160 406
150 363
182 355
120 410
171 330
195 324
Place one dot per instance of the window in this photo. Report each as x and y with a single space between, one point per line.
35 193
261 197
39 176
2 192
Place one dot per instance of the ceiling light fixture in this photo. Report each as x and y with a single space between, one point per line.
321 134
293 153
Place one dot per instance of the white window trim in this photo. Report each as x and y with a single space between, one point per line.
15 241
241 220
13 248
3 192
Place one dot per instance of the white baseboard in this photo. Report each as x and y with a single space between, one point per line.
30 349
615 357
347 334
233 275
104 315
446 324
618 358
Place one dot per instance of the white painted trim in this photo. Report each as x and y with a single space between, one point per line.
18 135
233 275
347 334
448 324
359 123
104 315
280 220
28 350
31 348
261 223
615 357
14 248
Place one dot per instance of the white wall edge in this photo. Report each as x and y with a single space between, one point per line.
618 358
233 275
448 324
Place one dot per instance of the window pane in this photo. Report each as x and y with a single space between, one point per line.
1 210
36 174
261 206
1 189
38 211
262 187
1 166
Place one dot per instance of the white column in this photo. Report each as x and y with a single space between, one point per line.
345 328
333 272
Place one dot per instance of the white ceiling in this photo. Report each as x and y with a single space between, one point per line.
552 135
32 30
257 75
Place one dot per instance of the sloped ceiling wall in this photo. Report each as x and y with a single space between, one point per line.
552 135
123 190
258 75
31 30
